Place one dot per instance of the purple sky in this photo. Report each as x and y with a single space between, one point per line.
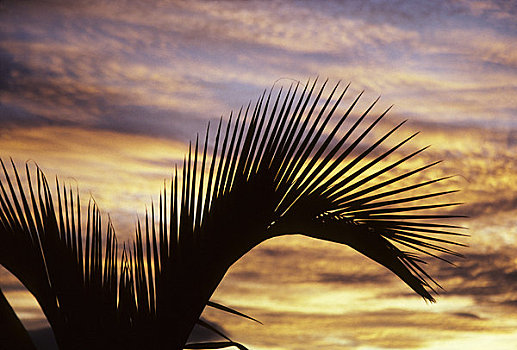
106 94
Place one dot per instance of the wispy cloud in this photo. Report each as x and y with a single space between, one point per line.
76 62
104 87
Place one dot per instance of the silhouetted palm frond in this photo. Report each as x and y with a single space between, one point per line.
88 299
289 165
286 171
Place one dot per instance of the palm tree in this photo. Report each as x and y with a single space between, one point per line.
281 167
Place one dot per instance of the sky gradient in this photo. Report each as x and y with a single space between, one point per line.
107 94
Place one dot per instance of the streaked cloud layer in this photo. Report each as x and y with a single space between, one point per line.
106 94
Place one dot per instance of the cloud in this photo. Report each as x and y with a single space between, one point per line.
107 93
349 279
387 329
493 11
44 99
490 206
352 315
467 315
204 59
112 167
486 277
290 28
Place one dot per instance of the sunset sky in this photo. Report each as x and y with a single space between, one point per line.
107 94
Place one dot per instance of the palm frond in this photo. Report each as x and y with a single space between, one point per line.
215 345
290 164
293 170
230 310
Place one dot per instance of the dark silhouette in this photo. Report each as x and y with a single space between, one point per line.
286 167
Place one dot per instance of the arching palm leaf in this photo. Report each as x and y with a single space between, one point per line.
286 167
